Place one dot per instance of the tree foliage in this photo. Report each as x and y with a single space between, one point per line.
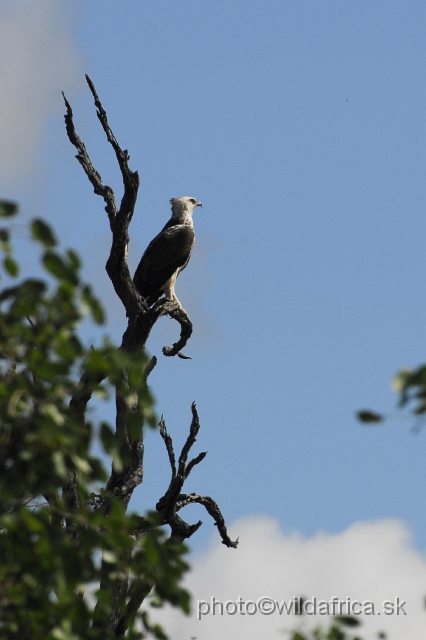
73 562
410 386
341 628
50 548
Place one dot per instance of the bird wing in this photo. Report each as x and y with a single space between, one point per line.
168 251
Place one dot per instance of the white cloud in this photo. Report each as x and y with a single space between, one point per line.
37 60
373 561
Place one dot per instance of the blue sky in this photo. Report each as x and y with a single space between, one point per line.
300 126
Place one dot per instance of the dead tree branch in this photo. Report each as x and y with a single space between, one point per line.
127 598
173 500
167 507
141 319
213 510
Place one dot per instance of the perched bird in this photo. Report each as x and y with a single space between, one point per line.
168 253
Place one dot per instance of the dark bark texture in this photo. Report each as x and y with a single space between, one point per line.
127 596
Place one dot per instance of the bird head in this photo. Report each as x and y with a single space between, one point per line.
184 205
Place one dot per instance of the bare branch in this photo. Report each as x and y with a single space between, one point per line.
193 462
212 509
190 441
149 367
83 393
140 326
117 267
130 178
83 157
180 528
166 505
182 317
138 591
173 501
141 319
169 445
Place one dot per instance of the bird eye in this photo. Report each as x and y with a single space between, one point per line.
192 200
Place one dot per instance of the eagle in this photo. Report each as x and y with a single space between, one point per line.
168 253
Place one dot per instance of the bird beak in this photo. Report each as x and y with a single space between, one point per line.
199 204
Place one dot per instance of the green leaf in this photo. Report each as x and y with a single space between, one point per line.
107 436
43 233
97 363
59 464
94 305
369 417
11 266
109 557
400 380
46 370
51 410
48 440
68 348
55 264
347 621
8 208
74 259
9 292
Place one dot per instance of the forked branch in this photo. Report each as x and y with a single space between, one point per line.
141 319
173 500
127 598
